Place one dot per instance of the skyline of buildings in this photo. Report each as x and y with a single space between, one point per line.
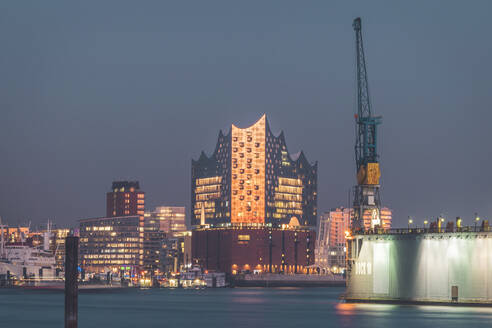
253 208
158 238
132 241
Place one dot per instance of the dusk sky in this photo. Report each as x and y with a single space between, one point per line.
92 92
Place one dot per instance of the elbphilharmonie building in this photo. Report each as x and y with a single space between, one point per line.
253 204
252 179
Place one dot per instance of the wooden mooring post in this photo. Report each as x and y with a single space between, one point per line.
71 283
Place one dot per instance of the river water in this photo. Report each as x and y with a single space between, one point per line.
238 307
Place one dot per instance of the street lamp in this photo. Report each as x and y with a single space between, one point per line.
410 221
477 218
425 224
441 222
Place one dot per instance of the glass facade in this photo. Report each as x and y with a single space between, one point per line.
251 179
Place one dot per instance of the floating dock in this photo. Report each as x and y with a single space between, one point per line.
420 266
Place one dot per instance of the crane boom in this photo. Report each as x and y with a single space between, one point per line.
363 100
366 192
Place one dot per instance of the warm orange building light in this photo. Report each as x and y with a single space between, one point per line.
248 173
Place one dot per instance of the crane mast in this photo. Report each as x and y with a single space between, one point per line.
366 197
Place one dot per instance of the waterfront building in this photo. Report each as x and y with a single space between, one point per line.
252 179
125 199
152 240
121 242
171 219
254 249
110 243
130 242
175 253
253 205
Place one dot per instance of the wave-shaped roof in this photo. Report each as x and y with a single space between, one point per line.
296 157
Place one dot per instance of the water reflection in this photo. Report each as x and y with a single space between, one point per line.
238 307
366 308
343 308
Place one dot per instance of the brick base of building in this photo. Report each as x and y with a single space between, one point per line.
253 249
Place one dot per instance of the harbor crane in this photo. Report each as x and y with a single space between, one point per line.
367 203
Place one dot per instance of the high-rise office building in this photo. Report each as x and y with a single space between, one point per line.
125 199
252 179
112 243
253 205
